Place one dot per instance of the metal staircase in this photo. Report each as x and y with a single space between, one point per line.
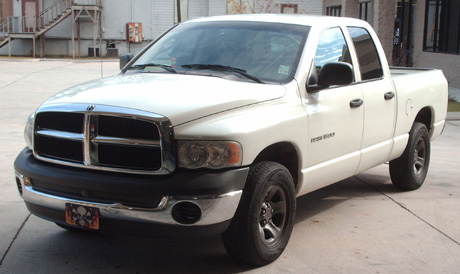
33 27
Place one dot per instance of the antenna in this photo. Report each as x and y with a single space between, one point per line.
102 67
100 44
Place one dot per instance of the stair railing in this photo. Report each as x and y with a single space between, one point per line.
53 12
32 24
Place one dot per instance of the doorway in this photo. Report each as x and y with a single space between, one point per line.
403 38
30 15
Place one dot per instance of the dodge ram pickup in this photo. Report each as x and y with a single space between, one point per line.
221 122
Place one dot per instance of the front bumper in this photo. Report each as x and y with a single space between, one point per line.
217 195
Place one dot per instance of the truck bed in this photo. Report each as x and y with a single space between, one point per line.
398 71
415 87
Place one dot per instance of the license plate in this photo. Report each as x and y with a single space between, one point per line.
83 216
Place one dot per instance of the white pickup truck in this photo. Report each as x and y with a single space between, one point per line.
220 123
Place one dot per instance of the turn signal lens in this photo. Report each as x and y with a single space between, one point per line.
29 131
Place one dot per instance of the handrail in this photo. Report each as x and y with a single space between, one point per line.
87 2
53 6
18 24
34 24
6 26
53 12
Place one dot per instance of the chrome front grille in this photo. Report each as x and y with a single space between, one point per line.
105 138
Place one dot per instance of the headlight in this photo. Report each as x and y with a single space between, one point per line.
29 131
212 154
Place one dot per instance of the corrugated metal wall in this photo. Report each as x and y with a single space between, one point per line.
313 7
156 17
115 15
198 8
217 7
162 16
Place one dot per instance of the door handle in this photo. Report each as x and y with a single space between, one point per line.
389 95
356 103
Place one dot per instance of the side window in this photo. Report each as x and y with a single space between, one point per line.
331 48
369 61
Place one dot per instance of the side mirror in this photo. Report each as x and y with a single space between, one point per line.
125 58
331 74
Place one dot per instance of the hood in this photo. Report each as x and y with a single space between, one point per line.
179 97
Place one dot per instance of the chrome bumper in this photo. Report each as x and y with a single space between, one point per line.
214 209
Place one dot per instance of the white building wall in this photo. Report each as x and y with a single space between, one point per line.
63 47
17 8
115 15
142 12
21 47
156 17
198 8
163 16
312 7
217 7
61 30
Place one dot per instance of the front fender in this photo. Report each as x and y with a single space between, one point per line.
255 127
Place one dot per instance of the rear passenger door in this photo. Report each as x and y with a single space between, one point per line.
379 100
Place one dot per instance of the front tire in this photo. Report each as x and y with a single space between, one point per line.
409 171
262 225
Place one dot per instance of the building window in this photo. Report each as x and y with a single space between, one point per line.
289 8
180 11
363 10
442 26
334 11
366 11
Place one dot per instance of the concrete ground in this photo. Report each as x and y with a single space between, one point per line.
359 225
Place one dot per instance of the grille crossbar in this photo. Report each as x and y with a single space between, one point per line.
110 139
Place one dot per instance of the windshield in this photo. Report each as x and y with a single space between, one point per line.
252 51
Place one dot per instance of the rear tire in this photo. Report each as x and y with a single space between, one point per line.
262 225
409 171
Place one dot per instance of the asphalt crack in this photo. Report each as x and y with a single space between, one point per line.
14 239
410 211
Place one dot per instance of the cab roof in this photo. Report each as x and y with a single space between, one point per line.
298 19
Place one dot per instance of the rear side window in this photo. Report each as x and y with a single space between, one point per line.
369 61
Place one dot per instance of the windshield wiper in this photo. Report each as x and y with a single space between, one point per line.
223 68
142 66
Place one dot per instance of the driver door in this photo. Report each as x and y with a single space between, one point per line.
335 120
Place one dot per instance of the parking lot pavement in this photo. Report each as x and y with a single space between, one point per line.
359 225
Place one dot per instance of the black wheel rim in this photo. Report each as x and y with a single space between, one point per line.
273 214
420 154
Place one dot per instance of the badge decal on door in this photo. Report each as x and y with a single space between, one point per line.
322 137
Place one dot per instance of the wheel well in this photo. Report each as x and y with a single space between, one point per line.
283 153
425 117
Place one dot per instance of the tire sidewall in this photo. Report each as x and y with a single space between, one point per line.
420 132
242 239
278 176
